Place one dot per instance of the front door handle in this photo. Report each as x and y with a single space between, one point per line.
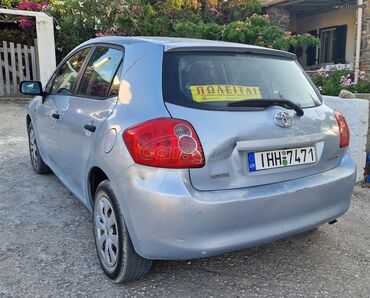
55 115
90 127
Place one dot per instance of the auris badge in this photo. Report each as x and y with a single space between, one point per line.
283 119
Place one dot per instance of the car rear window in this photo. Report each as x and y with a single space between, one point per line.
212 80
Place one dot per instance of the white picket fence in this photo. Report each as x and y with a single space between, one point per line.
17 63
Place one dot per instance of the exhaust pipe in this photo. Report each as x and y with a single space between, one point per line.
332 222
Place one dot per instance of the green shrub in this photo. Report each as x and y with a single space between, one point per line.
9 3
334 81
232 20
17 36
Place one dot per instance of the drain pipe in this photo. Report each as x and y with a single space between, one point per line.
358 41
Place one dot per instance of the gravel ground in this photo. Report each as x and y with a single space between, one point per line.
47 249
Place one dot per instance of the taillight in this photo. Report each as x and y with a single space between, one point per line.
164 143
343 129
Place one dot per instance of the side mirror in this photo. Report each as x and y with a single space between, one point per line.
31 88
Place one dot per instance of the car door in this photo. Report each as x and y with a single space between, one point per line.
59 89
93 101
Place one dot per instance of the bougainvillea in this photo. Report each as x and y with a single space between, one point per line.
34 6
26 23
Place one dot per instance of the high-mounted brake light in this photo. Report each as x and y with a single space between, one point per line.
164 143
343 129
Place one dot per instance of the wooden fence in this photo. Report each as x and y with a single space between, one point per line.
17 63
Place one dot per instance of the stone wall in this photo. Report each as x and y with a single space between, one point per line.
279 16
365 40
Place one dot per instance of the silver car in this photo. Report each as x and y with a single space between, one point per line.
186 148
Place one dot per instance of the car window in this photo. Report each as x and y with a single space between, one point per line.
213 80
100 71
114 89
66 76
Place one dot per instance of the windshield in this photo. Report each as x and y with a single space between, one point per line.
212 80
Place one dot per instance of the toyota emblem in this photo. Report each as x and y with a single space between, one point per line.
283 119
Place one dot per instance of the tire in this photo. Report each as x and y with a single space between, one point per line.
37 163
119 259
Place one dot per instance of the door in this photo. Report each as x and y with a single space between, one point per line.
84 112
48 113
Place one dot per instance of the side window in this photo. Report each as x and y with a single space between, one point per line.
101 69
66 76
114 89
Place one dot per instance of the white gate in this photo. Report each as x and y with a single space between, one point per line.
17 63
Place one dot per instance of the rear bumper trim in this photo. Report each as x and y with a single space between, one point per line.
279 143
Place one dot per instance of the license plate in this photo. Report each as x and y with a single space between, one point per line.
280 158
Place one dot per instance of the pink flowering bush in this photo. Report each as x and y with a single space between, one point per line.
26 32
334 81
347 80
26 23
34 6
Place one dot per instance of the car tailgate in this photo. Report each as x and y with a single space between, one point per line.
228 136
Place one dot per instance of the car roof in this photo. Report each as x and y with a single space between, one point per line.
171 44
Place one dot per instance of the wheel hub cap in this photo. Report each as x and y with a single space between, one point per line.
106 230
33 147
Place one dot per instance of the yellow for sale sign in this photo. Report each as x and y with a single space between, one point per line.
206 93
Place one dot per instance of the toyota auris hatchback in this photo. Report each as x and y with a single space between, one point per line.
186 148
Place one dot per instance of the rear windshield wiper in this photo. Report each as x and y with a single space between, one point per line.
264 103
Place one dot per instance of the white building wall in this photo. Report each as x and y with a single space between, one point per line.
46 47
356 112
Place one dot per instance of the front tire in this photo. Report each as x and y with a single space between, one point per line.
116 252
38 164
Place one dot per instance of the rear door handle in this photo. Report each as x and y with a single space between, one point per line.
90 127
55 115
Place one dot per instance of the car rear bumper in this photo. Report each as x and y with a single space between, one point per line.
168 219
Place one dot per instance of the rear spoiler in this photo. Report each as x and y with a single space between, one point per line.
232 49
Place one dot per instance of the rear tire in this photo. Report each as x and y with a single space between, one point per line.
116 252
37 163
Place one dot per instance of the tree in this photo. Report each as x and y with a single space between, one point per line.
232 20
9 3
